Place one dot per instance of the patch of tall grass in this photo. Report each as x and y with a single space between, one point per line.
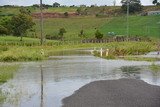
121 49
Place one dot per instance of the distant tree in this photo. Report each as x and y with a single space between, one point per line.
25 11
6 23
134 5
56 4
79 10
3 30
36 5
98 34
155 2
21 23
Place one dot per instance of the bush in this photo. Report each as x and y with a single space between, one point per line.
81 34
98 35
61 33
3 30
66 14
52 37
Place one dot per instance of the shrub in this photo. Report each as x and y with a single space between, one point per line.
61 33
66 14
3 30
98 35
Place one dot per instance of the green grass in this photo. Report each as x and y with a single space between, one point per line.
27 41
17 39
138 25
72 26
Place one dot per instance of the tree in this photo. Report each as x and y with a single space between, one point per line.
155 2
3 30
134 5
79 10
81 33
98 34
21 23
5 22
25 11
61 32
56 4
66 14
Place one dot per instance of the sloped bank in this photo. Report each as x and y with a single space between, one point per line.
115 93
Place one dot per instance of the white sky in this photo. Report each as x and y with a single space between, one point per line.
68 2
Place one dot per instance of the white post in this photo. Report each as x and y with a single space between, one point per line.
107 51
101 52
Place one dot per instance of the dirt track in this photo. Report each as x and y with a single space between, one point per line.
115 93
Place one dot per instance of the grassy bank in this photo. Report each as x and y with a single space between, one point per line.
73 26
146 26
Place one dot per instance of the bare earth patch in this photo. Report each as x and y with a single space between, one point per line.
115 93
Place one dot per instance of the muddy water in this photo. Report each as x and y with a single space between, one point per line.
66 73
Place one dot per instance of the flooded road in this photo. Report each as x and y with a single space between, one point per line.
66 73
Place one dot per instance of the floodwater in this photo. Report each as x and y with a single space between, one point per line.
65 73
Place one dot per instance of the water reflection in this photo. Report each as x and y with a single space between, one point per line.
62 75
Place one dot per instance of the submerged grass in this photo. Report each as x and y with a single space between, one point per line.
2 97
7 72
154 67
149 59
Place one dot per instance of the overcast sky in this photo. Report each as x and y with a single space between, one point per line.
67 2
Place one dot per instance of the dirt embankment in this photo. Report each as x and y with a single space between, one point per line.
115 93
54 15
